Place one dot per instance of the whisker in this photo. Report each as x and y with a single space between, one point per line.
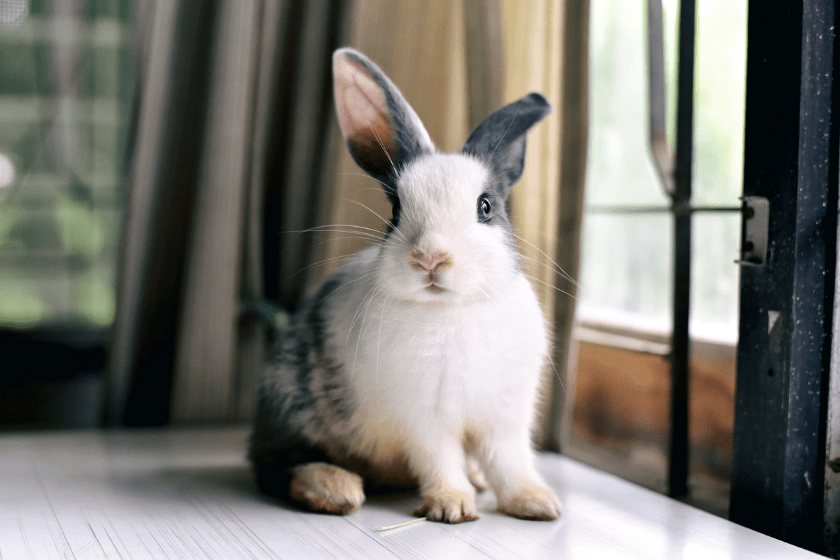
324 262
503 135
498 293
381 145
362 326
366 189
547 266
388 188
557 374
379 343
361 235
552 286
499 161
358 312
331 227
354 235
368 275
495 309
398 232
559 268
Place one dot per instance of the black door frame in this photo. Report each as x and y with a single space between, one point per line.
791 159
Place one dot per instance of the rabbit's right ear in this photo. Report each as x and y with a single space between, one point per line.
382 131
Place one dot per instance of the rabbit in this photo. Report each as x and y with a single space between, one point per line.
421 356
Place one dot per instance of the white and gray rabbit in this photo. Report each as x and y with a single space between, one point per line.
422 355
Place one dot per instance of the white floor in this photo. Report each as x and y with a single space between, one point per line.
189 494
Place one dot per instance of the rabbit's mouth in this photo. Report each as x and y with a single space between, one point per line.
435 289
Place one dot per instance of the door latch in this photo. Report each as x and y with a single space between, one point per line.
755 211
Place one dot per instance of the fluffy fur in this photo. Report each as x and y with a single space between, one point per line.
425 351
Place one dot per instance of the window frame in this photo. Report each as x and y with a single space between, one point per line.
786 305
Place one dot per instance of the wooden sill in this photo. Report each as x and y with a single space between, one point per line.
188 493
621 410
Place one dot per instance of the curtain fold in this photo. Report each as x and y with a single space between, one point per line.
574 111
231 127
166 143
204 385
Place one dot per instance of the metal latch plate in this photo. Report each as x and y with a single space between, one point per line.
756 213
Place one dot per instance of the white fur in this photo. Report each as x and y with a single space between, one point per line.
440 333
431 368
439 195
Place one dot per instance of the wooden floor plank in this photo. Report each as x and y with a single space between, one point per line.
188 493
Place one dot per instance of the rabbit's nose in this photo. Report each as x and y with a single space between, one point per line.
433 261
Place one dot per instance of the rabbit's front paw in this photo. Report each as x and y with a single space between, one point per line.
532 502
326 488
448 505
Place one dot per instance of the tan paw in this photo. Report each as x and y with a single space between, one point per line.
533 502
326 488
448 505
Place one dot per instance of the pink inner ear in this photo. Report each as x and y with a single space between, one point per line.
360 102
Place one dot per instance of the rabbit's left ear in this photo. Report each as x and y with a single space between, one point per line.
499 141
382 131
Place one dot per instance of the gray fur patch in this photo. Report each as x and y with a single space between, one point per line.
304 396
499 141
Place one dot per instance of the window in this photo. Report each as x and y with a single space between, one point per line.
624 312
65 86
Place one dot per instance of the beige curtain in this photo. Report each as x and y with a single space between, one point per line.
232 111
270 117
261 156
515 47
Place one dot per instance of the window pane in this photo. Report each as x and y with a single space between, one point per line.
625 276
719 102
620 172
714 278
619 169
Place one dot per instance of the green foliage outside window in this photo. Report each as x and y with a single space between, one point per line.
65 88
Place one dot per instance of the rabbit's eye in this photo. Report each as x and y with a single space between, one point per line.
484 209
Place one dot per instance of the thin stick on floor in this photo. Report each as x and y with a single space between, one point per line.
397 526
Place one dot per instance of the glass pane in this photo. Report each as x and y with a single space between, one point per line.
620 173
66 81
626 270
719 102
714 279
619 169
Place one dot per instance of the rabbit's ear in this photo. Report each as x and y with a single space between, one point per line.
382 130
499 141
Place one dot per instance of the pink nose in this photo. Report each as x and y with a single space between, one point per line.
437 260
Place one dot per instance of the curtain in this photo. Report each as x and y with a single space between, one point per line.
456 61
231 111
237 151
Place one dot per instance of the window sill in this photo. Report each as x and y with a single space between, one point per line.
621 410
188 493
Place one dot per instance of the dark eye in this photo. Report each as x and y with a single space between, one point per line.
484 208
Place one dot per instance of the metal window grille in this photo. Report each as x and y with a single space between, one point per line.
674 170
